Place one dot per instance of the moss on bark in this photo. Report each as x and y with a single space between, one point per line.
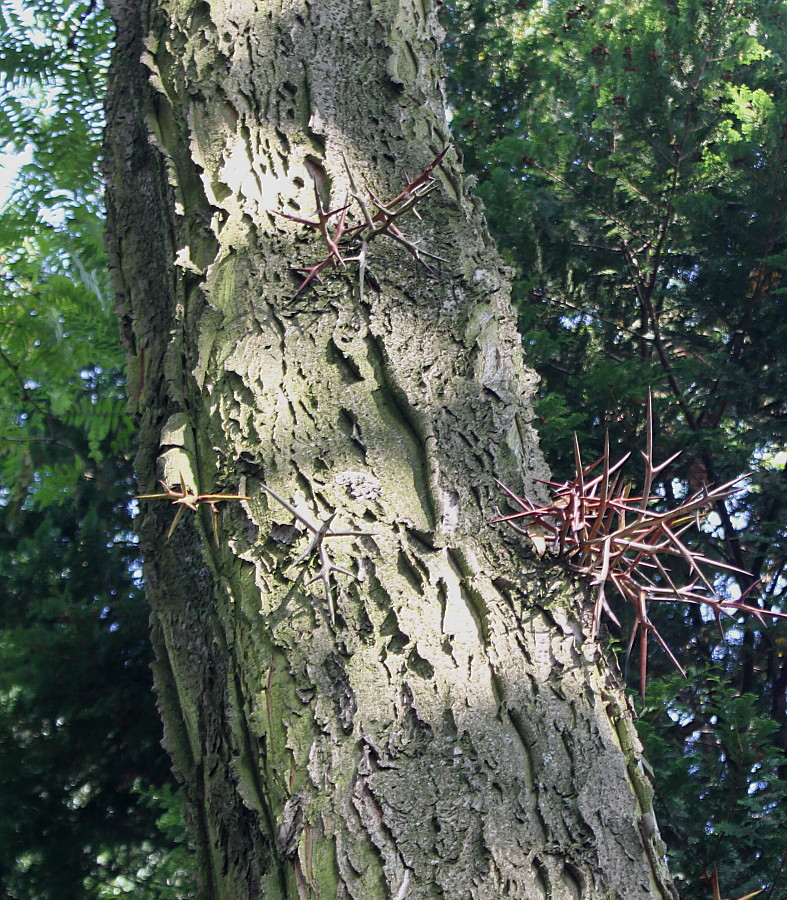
433 724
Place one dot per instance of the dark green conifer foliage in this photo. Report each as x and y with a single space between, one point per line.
631 156
83 779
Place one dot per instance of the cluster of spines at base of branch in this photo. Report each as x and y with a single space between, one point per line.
378 221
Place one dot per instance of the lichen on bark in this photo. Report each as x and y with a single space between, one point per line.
434 723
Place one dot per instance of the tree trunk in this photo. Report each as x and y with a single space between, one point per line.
434 723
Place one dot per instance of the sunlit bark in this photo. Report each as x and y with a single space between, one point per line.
433 724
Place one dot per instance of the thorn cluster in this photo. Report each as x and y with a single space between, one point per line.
378 219
184 499
614 539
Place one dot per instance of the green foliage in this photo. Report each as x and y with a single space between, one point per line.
618 178
83 779
709 795
79 734
631 156
53 62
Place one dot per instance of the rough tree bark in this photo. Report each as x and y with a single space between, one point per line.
437 725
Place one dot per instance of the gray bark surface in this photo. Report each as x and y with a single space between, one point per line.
434 724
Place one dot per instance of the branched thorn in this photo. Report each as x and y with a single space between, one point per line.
184 499
320 533
339 238
614 539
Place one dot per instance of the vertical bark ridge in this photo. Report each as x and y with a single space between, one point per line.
436 725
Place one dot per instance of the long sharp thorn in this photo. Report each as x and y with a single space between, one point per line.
648 453
289 507
524 503
214 516
313 273
578 464
174 525
655 470
357 196
665 647
643 659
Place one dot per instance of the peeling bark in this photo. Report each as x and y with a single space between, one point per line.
435 723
